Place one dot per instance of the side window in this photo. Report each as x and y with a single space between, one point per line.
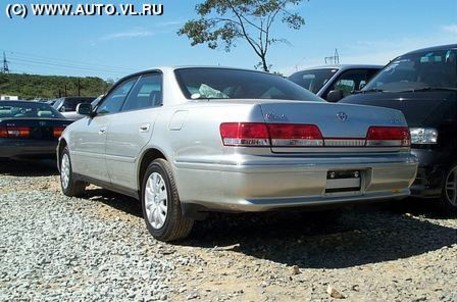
146 93
112 103
351 80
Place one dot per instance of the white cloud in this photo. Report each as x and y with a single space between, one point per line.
451 28
136 33
170 24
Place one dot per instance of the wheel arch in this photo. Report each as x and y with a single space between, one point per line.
148 156
61 145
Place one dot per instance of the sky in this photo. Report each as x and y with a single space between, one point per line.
110 47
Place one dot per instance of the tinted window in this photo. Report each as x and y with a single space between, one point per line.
27 109
436 69
112 103
146 93
313 79
222 83
352 80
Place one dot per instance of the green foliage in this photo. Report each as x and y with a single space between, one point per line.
224 21
28 86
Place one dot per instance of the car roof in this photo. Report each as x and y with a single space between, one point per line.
172 68
343 66
433 48
169 69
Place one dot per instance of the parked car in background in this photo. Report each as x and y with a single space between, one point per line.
29 129
73 115
333 82
68 104
190 140
423 84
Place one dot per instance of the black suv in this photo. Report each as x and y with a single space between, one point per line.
423 85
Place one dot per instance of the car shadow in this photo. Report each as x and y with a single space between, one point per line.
28 167
331 239
117 201
336 238
427 208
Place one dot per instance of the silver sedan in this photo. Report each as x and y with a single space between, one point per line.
190 140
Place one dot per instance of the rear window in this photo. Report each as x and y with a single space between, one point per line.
224 83
23 109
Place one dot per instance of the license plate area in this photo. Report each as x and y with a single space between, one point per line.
343 181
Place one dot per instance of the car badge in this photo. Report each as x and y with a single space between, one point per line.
342 116
42 123
276 117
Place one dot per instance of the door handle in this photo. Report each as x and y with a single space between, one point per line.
102 131
144 128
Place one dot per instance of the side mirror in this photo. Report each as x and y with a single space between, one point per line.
84 109
334 96
62 109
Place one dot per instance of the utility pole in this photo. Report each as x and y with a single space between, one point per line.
334 60
5 68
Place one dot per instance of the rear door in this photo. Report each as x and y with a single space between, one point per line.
131 129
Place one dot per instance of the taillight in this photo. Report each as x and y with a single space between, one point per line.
261 134
3 132
57 131
20 131
244 134
295 135
388 136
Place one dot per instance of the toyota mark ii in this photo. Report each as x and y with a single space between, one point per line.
190 140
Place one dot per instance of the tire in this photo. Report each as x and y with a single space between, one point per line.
449 193
69 185
161 205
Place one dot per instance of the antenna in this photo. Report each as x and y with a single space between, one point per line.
335 59
5 68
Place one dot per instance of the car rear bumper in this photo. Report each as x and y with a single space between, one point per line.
433 165
27 148
266 183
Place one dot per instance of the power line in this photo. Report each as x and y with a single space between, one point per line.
18 57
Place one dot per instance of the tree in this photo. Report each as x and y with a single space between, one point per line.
224 21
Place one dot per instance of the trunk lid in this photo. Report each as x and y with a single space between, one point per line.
341 125
36 128
333 120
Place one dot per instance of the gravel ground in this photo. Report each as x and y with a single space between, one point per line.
55 248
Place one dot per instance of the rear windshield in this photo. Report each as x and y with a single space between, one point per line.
313 79
223 83
429 69
27 109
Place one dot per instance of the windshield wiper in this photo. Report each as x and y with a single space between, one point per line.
431 89
368 91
